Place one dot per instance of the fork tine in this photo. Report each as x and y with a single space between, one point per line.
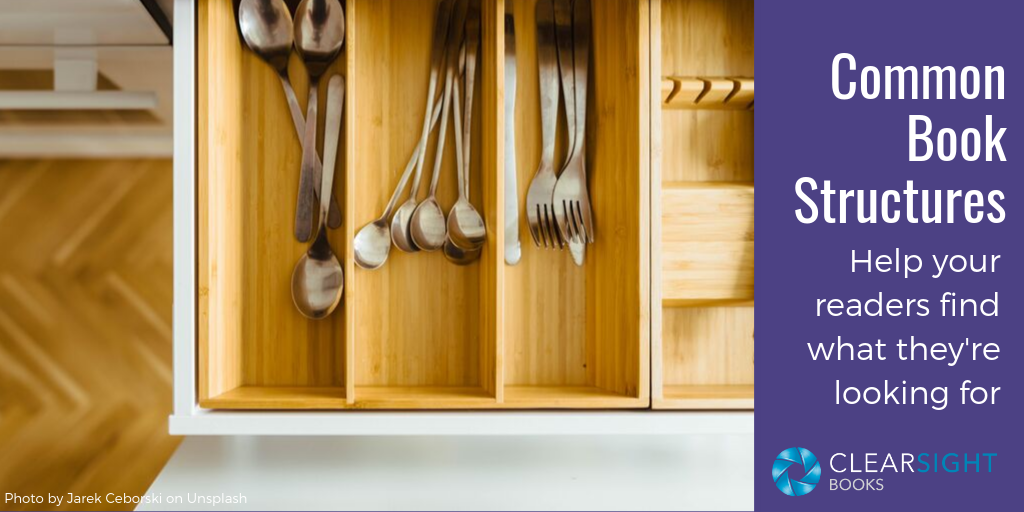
559 214
549 225
532 222
577 226
556 215
552 227
570 220
580 223
563 222
588 220
556 233
542 224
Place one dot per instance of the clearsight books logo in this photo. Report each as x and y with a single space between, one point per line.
796 471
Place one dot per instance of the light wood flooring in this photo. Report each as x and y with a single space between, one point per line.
85 326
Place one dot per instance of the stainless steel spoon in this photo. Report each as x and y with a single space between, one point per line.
466 227
458 255
266 27
318 279
372 243
400 233
428 226
319 35
453 252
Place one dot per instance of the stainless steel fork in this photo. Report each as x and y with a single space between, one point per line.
571 198
540 212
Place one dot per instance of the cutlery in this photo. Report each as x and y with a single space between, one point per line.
428 226
512 248
318 279
400 224
319 35
540 213
571 199
266 27
466 227
578 250
452 250
458 255
372 243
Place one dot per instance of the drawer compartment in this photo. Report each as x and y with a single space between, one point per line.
703 253
576 335
254 349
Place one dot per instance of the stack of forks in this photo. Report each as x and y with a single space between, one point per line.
558 205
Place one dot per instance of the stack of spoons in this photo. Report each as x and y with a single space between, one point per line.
317 33
422 225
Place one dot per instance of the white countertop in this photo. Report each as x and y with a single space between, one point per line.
654 472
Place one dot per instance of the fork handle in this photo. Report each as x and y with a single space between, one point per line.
581 57
566 62
547 59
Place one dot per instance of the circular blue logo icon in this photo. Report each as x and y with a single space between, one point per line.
792 459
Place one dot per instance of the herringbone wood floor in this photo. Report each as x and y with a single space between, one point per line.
85 326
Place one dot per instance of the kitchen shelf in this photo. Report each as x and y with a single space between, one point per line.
703 205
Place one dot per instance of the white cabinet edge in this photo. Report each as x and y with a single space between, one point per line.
184 208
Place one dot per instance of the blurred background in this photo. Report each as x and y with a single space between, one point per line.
85 246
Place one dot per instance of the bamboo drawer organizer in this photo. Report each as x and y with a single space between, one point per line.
673 206
703 246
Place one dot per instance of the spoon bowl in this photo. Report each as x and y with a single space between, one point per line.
372 244
319 33
318 281
266 27
428 227
400 229
465 226
458 255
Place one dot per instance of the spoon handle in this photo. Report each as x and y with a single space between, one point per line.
334 218
335 106
407 173
293 104
304 206
444 12
460 163
455 33
472 50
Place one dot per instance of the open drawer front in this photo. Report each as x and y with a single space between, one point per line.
419 333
